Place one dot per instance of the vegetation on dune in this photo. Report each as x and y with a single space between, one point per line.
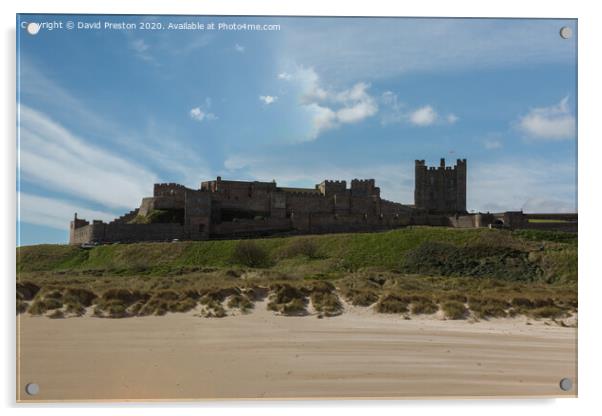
287 300
454 310
547 312
75 309
21 306
212 308
361 298
390 303
27 290
56 314
80 296
241 302
495 273
488 307
424 306
324 299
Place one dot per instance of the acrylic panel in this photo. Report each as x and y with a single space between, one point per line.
237 207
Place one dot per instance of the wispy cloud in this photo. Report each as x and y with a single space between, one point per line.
285 76
158 146
268 99
555 122
55 213
330 108
37 87
396 112
365 48
544 186
54 158
424 116
139 45
199 115
492 144
196 42
239 48
142 50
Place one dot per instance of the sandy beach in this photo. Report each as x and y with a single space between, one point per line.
261 355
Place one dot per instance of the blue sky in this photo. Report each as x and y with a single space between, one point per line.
104 114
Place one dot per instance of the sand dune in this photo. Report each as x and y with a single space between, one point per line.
260 355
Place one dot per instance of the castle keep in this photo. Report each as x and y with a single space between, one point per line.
238 209
442 189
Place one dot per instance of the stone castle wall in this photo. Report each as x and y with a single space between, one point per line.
126 233
232 209
441 189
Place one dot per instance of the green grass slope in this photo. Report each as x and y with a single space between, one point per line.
519 255
419 270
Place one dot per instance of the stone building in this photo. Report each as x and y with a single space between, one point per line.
235 209
238 209
441 189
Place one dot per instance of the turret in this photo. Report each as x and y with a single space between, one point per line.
442 189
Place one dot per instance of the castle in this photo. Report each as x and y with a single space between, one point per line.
223 209
441 189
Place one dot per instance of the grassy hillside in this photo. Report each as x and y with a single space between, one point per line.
417 266
520 255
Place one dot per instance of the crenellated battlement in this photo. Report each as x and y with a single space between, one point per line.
229 208
330 187
357 182
442 188
364 187
168 189
304 194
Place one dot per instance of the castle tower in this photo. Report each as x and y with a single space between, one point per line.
441 189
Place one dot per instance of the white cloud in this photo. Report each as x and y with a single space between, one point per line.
549 123
239 48
323 118
544 186
394 111
55 213
158 146
54 158
492 144
197 42
357 112
424 116
285 76
139 45
358 104
199 115
386 48
331 108
142 50
268 99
